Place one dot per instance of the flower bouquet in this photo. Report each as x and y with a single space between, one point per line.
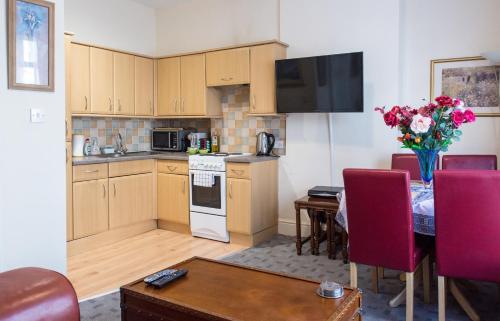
429 129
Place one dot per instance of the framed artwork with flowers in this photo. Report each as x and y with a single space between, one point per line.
474 80
31 45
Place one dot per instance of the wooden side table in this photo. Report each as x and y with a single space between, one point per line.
315 206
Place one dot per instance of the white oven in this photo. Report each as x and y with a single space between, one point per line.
208 199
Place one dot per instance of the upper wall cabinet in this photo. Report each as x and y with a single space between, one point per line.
182 90
144 86
262 77
169 86
101 81
124 82
228 67
79 100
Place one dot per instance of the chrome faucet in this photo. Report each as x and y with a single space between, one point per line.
120 147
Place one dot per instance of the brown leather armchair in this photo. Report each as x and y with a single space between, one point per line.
35 294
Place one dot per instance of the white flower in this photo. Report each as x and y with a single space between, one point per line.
420 124
460 106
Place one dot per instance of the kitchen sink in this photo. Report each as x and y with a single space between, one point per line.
118 155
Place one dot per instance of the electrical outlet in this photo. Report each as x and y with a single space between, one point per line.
38 115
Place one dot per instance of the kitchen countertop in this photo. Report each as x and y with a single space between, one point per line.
85 160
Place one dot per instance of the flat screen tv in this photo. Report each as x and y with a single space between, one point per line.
322 84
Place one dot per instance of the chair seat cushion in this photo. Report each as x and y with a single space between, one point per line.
34 294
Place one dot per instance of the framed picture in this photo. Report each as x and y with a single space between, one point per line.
472 79
31 45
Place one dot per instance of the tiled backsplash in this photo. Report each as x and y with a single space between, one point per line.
136 132
238 130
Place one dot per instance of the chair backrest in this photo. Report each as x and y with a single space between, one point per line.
467 219
380 218
470 162
408 162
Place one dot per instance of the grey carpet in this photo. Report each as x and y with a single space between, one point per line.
279 255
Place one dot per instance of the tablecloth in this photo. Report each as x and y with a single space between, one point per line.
423 209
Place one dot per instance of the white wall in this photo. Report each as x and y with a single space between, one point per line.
192 25
32 179
117 24
468 28
359 140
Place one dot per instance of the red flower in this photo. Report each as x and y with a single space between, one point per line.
438 135
390 119
444 101
458 118
469 115
432 107
457 102
395 109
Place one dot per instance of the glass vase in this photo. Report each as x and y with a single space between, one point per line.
427 163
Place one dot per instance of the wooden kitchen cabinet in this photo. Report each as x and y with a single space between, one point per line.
131 199
193 87
67 78
90 207
144 86
169 86
69 193
101 81
228 67
124 83
173 198
79 83
252 201
239 195
263 79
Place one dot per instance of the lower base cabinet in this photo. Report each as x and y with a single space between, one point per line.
239 196
173 198
130 200
90 207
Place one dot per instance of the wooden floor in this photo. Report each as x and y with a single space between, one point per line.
107 268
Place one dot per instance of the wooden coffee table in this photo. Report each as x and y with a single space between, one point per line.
218 291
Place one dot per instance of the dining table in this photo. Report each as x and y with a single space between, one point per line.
422 201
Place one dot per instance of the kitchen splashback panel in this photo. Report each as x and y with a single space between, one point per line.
238 130
136 132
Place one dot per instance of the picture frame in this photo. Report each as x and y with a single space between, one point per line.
474 80
31 45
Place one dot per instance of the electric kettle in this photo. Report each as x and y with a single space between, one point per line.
265 144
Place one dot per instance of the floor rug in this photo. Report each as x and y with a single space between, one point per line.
279 255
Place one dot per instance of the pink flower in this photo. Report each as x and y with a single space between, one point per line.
395 109
458 103
469 115
390 119
458 118
444 101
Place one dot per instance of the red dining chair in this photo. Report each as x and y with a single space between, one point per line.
408 162
470 162
380 218
467 220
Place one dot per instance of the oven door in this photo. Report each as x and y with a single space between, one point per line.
210 200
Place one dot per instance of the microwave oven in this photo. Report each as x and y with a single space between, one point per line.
169 139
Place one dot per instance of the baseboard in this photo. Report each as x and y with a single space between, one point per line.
254 239
92 242
174 227
288 227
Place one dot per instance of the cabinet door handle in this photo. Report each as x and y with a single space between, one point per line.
66 124
253 101
91 171
184 186
182 107
110 105
119 105
238 171
174 102
114 189
150 106
226 78
67 156
103 191
230 189
86 102
171 168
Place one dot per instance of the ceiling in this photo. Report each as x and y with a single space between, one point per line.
159 4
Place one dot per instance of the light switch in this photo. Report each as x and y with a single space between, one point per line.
38 115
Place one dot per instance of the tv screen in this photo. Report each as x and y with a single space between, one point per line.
322 84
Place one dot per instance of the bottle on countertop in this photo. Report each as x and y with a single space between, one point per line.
215 142
87 148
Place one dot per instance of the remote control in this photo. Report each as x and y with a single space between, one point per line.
160 283
158 275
